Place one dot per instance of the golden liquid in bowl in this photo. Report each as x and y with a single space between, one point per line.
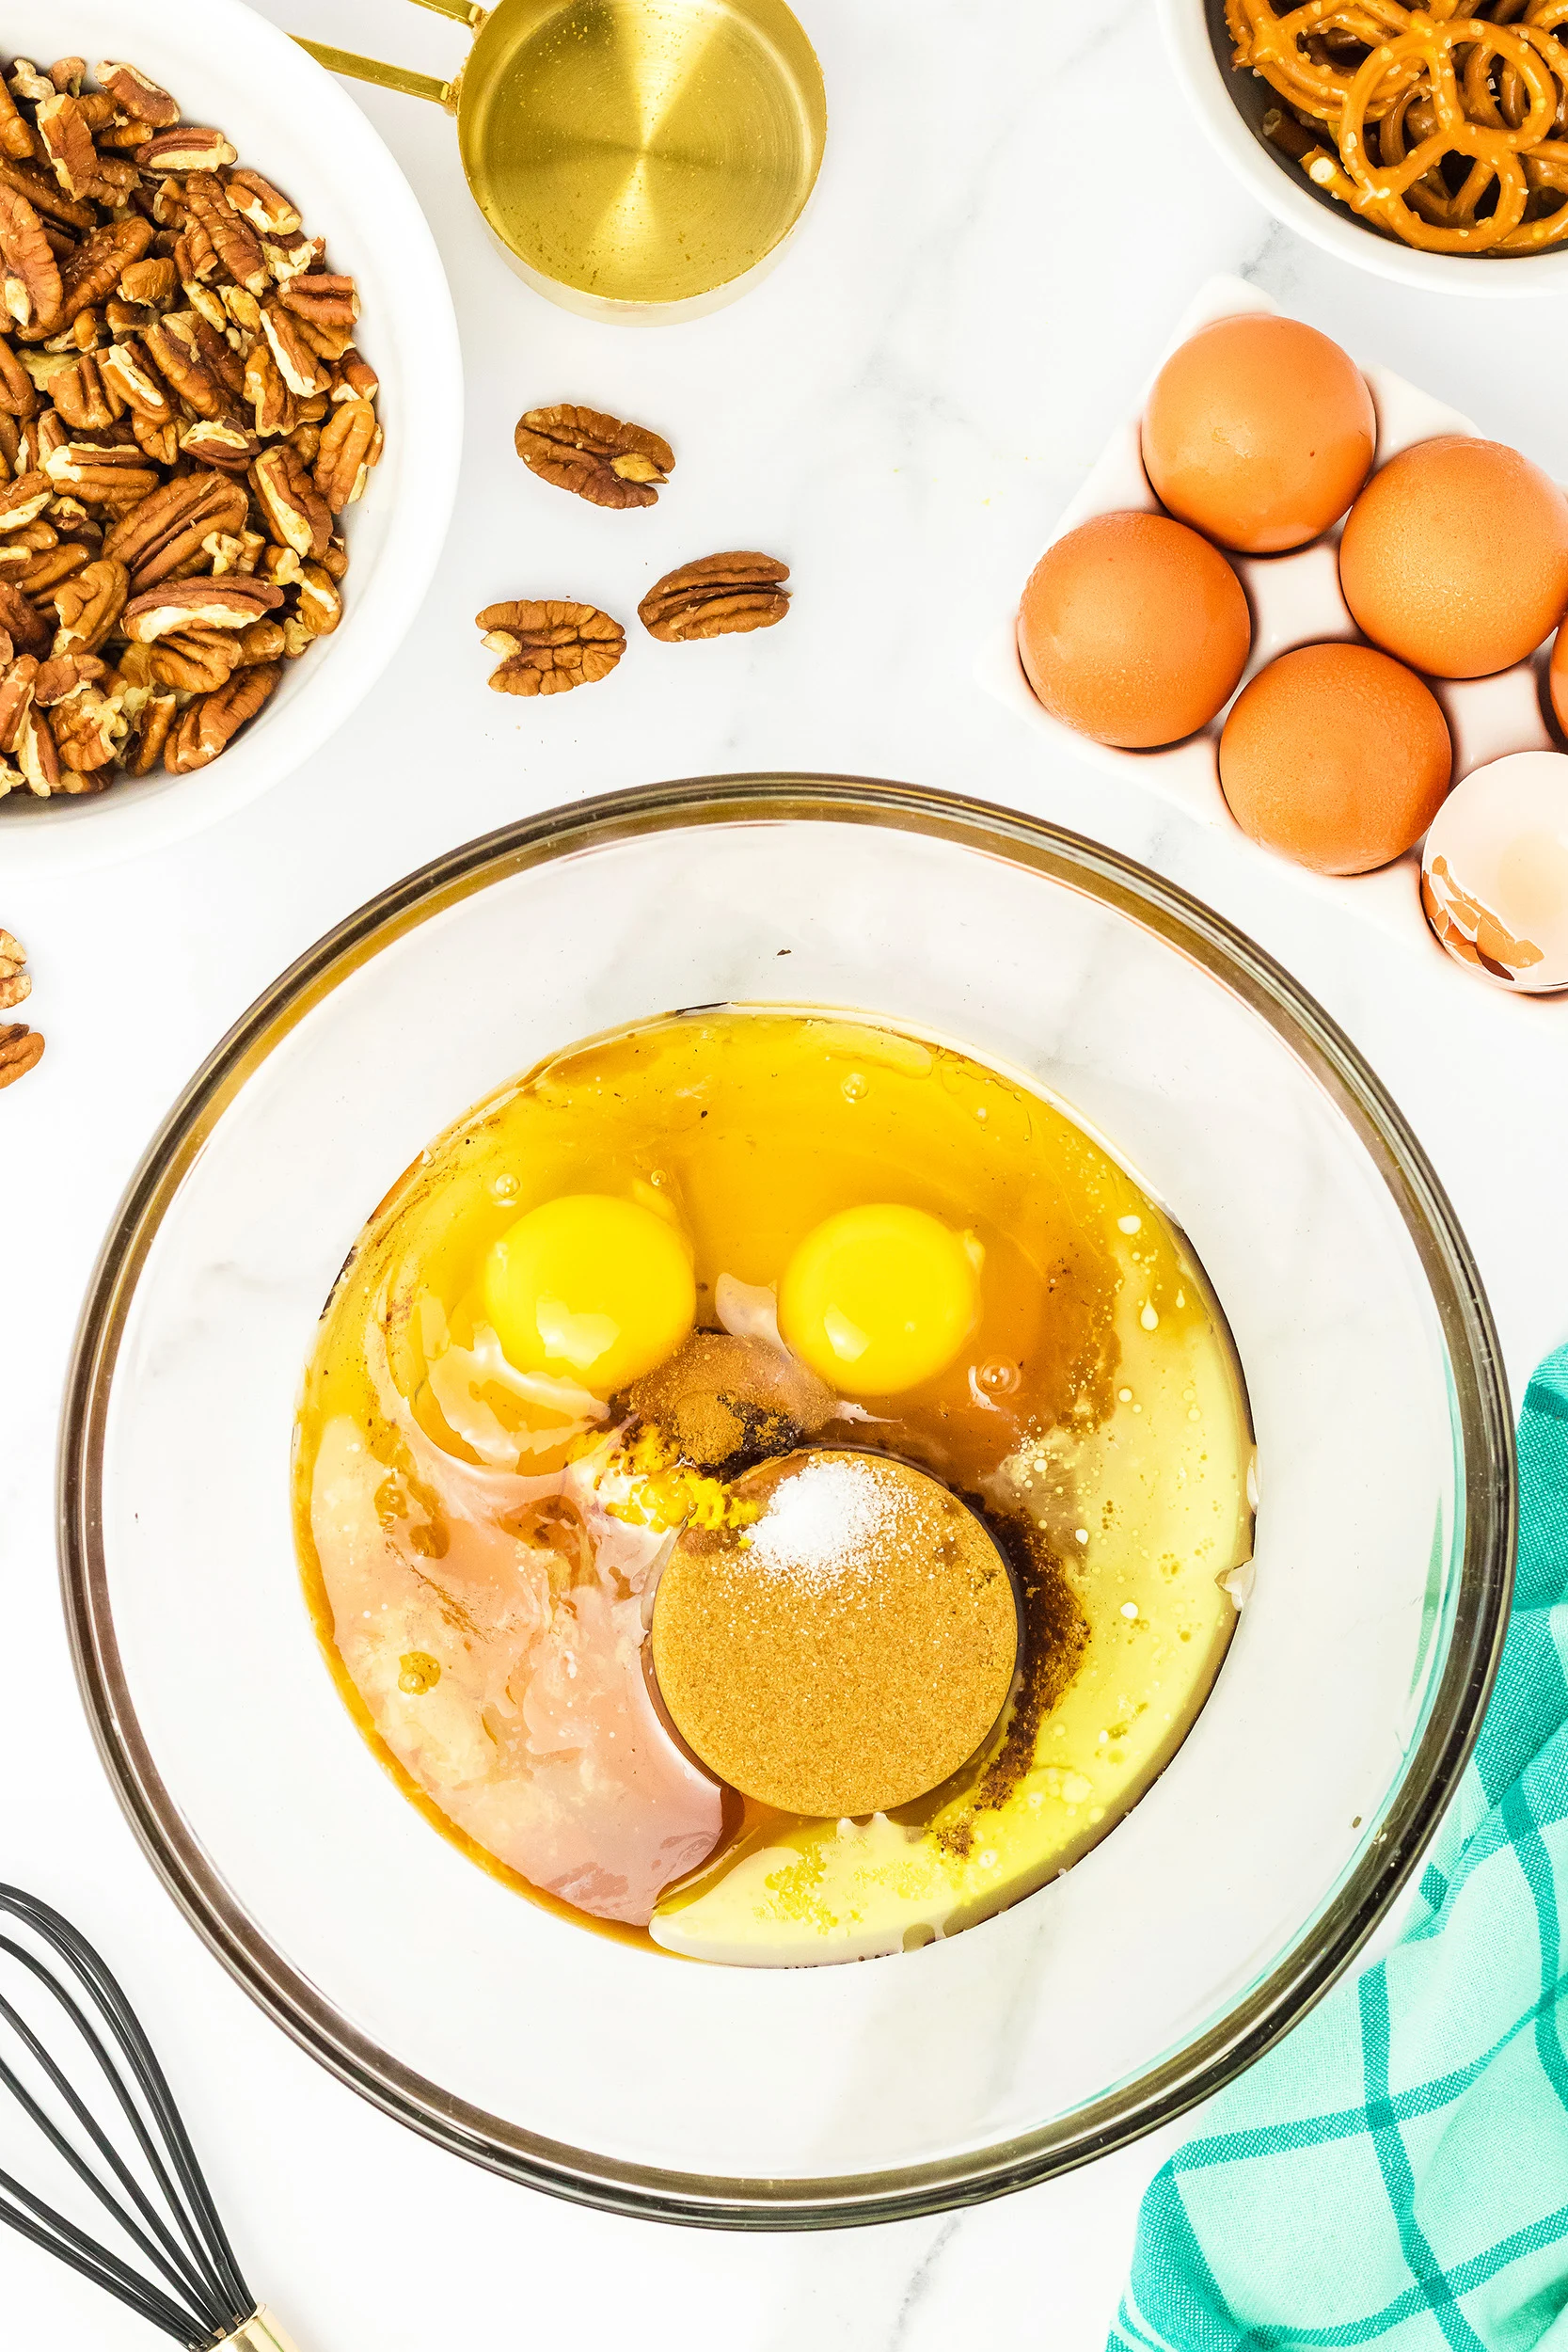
486 1621
644 150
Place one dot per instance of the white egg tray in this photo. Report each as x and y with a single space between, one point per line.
1295 600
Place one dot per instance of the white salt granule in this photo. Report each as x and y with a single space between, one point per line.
829 1518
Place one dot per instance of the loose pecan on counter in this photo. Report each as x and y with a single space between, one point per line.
15 985
185 420
608 463
550 647
20 1048
717 596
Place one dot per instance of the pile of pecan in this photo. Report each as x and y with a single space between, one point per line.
548 646
184 418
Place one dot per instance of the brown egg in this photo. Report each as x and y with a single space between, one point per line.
1133 629
1455 556
1258 431
1559 680
1336 757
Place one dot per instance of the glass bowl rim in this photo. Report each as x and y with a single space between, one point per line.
1294 1983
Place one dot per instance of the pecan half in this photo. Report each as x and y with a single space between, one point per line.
172 345
211 724
281 565
23 501
167 528
16 698
15 985
321 605
122 133
36 754
64 674
88 605
20 1050
288 257
45 572
159 442
193 661
39 438
217 355
28 82
23 622
321 299
151 280
299 366
16 135
93 271
87 397
125 318
549 647
18 393
232 602
355 379
126 368
190 147
142 99
67 139
264 641
89 727
195 259
270 401
267 210
100 475
166 207
717 596
329 342
150 734
349 447
31 280
608 463
22 544
291 502
232 238
216 441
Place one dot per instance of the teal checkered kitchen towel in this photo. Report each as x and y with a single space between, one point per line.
1395 2172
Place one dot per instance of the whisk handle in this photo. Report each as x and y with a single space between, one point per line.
260 2333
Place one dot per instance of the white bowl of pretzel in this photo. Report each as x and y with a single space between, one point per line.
1428 145
226 333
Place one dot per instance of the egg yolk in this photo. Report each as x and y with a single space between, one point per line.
590 1288
879 1298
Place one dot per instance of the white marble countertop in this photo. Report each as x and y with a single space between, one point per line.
899 411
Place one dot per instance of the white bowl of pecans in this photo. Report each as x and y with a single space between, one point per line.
225 334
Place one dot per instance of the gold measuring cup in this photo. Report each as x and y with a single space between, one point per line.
634 159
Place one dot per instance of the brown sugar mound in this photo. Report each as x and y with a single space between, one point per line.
851 1650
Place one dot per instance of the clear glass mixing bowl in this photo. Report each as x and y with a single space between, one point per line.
1213 1915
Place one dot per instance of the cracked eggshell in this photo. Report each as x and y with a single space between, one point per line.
1495 871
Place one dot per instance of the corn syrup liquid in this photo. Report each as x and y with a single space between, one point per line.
485 1620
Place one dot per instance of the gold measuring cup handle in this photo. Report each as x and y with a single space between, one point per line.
396 77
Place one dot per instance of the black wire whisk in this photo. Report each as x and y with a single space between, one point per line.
68 2037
